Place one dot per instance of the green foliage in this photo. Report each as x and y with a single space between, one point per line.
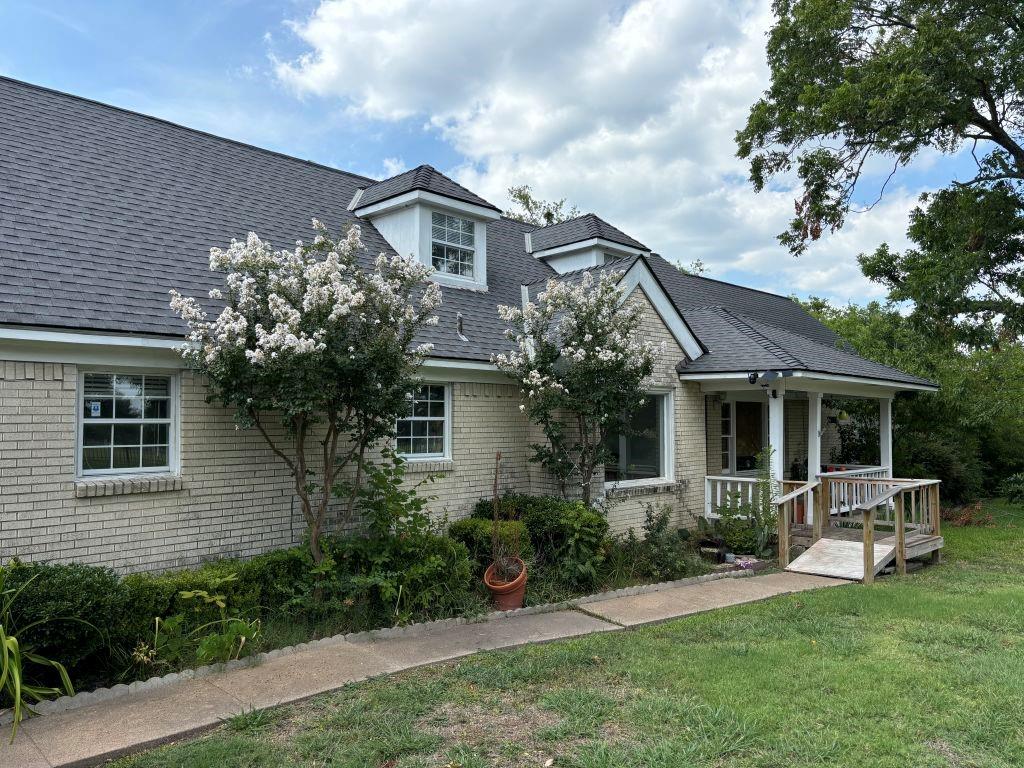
540 213
475 533
566 535
969 434
749 527
1013 488
858 82
398 579
966 271
663 554
405 569
87 595
19 661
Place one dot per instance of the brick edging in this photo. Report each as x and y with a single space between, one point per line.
85 698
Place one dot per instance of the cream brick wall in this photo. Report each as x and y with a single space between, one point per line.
235 498
685 495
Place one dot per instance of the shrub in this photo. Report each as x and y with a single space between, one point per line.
476 535
398 579
70 607
1013 488
19 661
566 535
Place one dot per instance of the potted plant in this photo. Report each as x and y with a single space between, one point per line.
505 577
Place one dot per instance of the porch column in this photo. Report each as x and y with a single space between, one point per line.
777 432
813 435
885 432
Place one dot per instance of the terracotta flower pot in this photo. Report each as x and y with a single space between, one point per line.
506 594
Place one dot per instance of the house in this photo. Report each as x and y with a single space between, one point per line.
110 454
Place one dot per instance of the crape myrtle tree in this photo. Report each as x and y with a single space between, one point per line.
313 340
858 83
582 367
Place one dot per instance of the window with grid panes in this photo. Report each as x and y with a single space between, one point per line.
126 423
452 245
422 433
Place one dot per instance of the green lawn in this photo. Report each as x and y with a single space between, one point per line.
927 670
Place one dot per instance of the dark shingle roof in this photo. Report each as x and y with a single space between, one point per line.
103 211
577 230
423 177
748 330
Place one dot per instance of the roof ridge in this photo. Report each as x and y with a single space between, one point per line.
740 322
179 126
725 282
566 221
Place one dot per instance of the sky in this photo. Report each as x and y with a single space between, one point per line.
626 109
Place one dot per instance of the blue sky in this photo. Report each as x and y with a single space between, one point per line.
627 109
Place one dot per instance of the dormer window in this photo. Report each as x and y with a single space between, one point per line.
452 245
424 214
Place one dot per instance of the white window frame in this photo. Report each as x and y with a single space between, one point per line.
666 410
731 402
730 452
173 465
471 278
446 454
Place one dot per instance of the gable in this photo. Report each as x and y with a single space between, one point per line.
640 277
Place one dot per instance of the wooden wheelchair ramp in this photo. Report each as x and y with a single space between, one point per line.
841 559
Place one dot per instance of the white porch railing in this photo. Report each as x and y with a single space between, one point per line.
720 490
854 485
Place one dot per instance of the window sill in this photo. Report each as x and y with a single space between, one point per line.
425 466
619 491
119 485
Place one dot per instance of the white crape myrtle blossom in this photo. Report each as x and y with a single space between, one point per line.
318 337
582 367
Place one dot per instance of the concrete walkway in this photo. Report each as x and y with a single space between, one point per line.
93 733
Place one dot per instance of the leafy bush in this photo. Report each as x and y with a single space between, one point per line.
18 660
1013 488
476 535
405 569
66 608
664 553
398 579
564 533
748 528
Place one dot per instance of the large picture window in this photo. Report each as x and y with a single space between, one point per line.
423 432
126 423
452 245
643 452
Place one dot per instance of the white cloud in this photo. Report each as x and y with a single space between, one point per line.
629 113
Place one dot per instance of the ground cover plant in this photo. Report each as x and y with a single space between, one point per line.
404 567
920 670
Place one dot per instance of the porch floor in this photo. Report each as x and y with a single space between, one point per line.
840 551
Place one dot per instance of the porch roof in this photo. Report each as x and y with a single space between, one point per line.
740 344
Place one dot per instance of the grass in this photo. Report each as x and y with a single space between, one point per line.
923 670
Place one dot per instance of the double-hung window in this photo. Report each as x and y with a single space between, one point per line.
452 245
126 423
423 433
643 453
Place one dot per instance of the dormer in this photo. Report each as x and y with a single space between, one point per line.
425 214
582 243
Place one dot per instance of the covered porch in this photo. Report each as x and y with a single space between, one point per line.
845 520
